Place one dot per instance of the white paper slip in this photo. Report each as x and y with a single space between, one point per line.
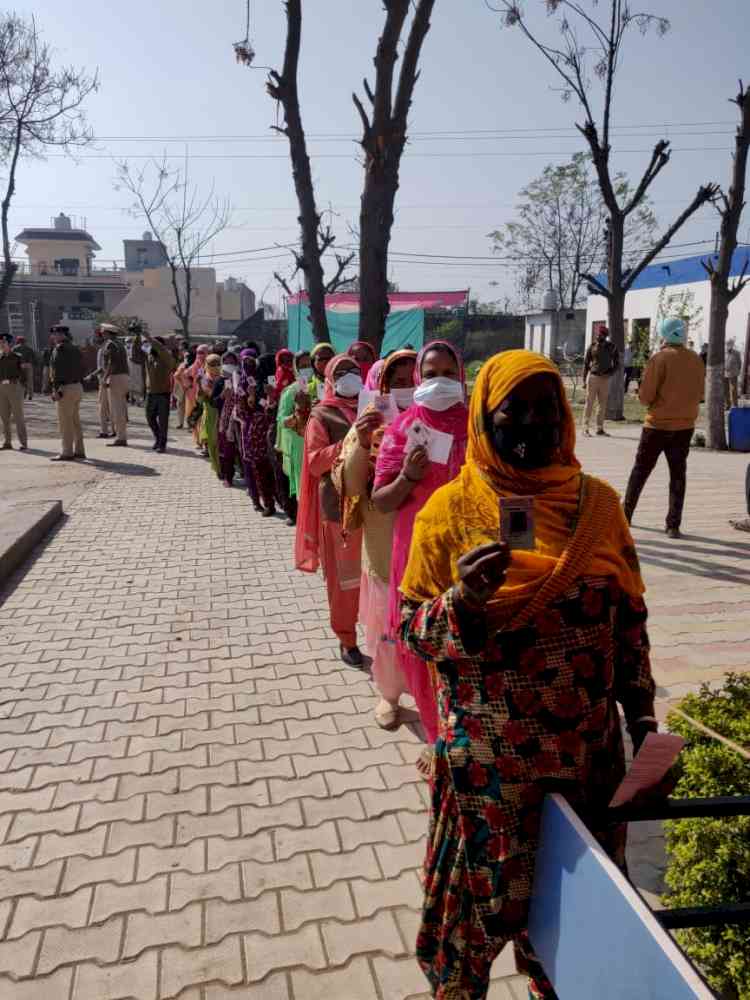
385 405
437 443
321 390
658 753
271 381
365 398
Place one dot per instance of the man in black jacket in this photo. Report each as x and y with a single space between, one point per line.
28 362
66 378
11 395
600 363
159 367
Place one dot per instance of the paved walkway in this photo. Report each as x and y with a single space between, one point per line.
194 800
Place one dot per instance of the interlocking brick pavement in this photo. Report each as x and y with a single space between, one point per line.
194 800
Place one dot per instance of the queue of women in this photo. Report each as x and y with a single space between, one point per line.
516 658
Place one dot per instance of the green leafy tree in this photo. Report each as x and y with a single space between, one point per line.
680 305
709 860
560 231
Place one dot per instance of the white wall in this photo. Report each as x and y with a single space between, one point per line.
643 304
151 298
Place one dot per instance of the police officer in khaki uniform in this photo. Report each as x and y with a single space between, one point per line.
102 398
66 377
117 381
11 395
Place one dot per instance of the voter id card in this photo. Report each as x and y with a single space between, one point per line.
517 522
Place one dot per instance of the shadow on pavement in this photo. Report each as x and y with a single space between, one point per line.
671 555
121 468
40 451
738 546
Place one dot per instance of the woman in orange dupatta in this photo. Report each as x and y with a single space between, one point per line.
319 539
532 651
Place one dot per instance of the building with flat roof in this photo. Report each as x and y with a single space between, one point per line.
676 277
59 283
144 253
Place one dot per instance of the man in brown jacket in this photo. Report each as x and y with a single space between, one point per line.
159 367
672 389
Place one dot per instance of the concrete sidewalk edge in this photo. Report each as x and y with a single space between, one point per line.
23 527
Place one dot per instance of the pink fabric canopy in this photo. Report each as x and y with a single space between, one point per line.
400 301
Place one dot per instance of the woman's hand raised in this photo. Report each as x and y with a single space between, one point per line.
482 571
415 464
366 426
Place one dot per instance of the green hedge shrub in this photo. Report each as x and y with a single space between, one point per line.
709 860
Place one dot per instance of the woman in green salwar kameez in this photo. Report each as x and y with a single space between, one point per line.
209 432
288 441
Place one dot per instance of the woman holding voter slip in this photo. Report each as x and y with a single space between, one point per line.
523 588
353 476
319 540
420 452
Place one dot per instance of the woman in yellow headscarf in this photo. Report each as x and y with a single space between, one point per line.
531 648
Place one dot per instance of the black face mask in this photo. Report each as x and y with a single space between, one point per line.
526 446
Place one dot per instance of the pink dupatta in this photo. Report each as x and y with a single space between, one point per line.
389 464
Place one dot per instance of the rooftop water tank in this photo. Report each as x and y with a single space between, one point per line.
62 221
550 302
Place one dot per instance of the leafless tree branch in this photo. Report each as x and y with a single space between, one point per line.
40 108
182 220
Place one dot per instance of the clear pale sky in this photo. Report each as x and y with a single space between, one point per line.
168 74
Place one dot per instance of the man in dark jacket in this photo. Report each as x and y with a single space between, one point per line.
11 395
159 367
66 379
600 363
28 361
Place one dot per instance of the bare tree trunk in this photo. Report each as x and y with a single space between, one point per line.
616 401
722 294
283 87
9 266
717 325
383 140
375 222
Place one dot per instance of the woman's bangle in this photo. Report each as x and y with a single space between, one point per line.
409 479
646 718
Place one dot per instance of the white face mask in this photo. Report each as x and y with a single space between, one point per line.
304 374
439 393
403 397
349 385
228 369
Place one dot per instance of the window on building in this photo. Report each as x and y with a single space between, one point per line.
85 296
68 266
15 319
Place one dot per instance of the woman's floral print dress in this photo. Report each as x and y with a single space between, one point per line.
531 711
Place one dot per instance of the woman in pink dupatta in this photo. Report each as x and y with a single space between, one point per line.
405 479
319 540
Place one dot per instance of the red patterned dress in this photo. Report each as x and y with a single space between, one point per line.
523 711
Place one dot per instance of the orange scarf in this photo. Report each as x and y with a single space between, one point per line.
580 528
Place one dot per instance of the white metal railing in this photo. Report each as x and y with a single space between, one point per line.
25 270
